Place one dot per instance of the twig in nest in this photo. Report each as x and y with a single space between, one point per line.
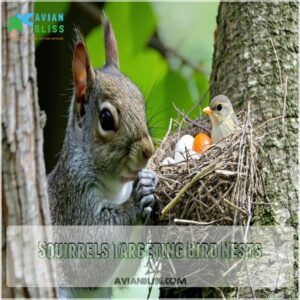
195 190
163 141
188 120
198 176
235 206
193 222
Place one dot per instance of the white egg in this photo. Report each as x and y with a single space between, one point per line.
184 146
168 161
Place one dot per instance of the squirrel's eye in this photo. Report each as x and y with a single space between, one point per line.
219 107
106 120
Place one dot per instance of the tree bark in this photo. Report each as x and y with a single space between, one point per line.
256 60
24 185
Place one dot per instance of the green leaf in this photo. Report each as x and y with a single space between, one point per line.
177 91
145 69
189 29
133 30
119 15
121 26
173 88
14 23
203 87
134 25
95 47
142 24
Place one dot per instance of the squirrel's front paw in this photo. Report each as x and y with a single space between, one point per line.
143 192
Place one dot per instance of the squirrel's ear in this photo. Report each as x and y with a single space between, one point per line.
82 69
82 74
111 47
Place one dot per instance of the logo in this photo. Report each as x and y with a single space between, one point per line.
18 21
42 24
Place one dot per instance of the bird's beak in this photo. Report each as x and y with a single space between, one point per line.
207 110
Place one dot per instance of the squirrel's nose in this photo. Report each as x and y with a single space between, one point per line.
147 148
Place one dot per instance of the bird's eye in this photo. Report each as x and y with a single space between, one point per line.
106 120
219 107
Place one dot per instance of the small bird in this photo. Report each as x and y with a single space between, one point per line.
223 119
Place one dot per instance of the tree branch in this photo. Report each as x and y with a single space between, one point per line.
157 44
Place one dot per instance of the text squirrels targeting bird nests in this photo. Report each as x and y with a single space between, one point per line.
218 187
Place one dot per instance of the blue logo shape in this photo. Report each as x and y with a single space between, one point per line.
25 19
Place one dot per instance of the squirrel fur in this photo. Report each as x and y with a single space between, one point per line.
99 177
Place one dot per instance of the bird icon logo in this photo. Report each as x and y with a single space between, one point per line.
16 22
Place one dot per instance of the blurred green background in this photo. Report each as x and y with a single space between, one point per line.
165 48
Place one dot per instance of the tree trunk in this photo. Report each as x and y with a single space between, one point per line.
255 60
24 185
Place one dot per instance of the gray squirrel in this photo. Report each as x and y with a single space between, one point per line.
100 178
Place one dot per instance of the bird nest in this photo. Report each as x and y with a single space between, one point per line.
219 187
